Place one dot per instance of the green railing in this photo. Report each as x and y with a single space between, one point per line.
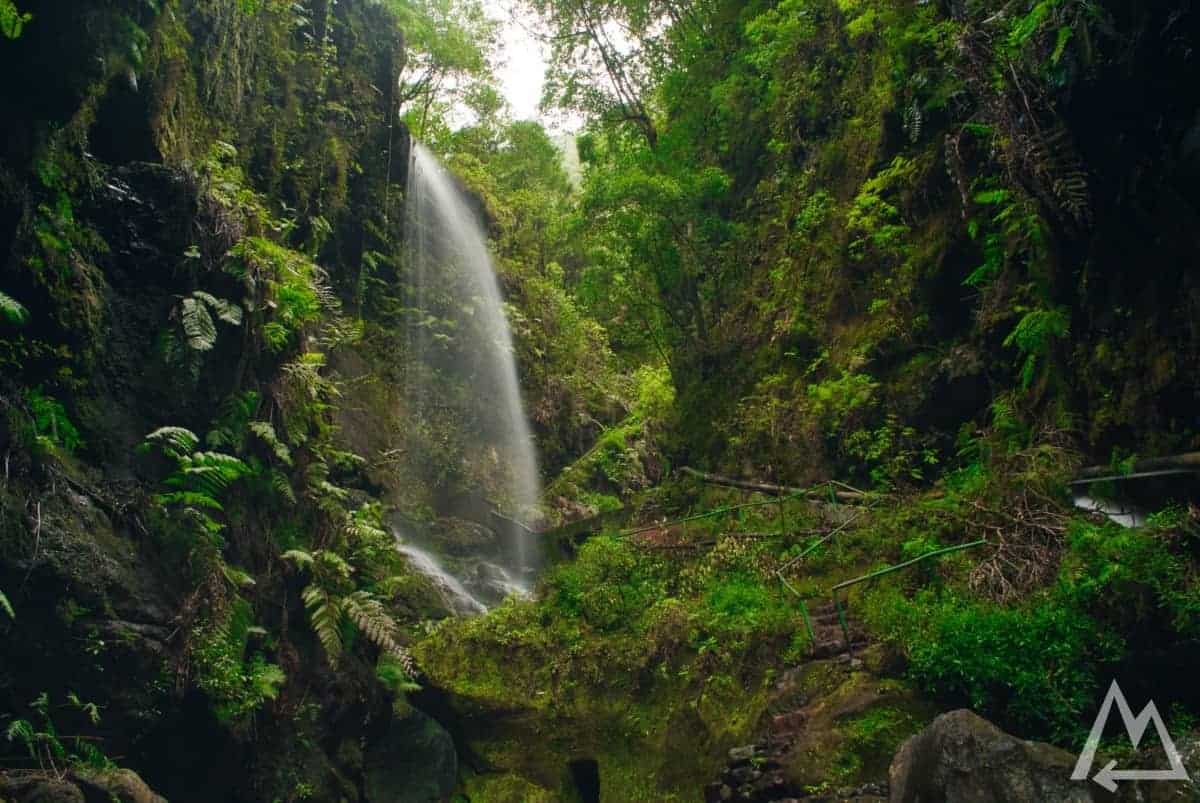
721 511
937 553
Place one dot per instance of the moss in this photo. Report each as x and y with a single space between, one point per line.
506 788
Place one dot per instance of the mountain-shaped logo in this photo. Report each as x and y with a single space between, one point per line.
1136 728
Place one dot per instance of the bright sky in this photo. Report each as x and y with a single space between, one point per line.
522 73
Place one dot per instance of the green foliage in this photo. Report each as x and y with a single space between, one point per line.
235 686
335 608
12 20
54 752
1034 336
11 310
51 426
198 480
605 587
6 606
1038 667
836 401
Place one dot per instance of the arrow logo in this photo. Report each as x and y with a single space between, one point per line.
1136 728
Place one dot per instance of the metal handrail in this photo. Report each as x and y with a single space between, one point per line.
718 511
937 553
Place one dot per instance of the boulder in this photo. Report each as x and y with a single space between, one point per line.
120 786
963 758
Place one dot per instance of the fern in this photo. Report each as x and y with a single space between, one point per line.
1033 336
226 311
266 433
282 485
372 620
325 616
198 325
175 441
11 310
7 607
189 499
238 578
299 557
21 730
233 420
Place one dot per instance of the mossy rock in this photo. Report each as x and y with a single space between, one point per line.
506 788
852 731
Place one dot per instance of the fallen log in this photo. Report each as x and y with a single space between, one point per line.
1150 467
818 492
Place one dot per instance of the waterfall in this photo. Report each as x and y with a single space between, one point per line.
461 368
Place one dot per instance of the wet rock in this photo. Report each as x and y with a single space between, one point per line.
414 763
963 758
462 537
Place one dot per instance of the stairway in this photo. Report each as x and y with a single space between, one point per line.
829 640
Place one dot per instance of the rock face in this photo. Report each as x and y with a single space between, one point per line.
414 763
963 758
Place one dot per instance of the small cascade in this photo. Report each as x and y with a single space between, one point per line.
461 383
453 592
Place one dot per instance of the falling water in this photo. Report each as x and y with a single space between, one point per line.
460 340
453 592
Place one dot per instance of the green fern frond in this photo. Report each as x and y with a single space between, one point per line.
238 578
21 730
6 606
227 311
189 499
233 418
282 485
372 620
267 679
334 563
266 433
12 310
325 615
299 557
197 324
174 440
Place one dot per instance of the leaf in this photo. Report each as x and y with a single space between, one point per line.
198 325
6 606
299 557
12 310
238 578
227 311
181 440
